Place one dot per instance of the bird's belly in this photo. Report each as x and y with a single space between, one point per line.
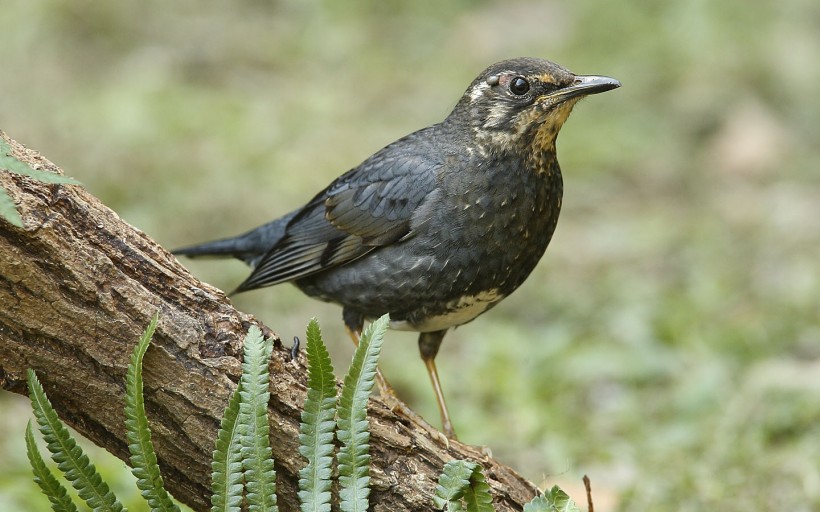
421 291
458 312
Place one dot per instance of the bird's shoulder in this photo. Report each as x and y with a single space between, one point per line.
376 199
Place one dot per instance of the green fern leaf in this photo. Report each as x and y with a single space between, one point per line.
353 432
226 465
453 482
555 501
477 496
539 504
318 424
11 164
8 210
462 482
69 457
260 477
56 493
560 501
143 458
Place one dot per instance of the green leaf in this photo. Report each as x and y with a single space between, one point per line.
560 501
69 457
353 432
143 458
8 210
257 459
316 431
555 501
11 164
462 482
539 504
56 493
226 466
477 496
455 506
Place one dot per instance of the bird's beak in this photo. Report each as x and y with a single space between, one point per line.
584 86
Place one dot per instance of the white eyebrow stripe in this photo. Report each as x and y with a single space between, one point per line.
478 91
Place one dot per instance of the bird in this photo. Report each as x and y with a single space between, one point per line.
437 227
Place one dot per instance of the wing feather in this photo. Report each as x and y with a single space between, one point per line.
370 206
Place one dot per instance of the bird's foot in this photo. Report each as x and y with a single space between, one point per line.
391 399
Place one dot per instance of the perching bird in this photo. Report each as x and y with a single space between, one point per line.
439 226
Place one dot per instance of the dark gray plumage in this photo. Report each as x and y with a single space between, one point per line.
439 226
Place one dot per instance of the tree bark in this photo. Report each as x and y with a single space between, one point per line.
78 286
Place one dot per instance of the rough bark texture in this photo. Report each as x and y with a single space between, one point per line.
77 287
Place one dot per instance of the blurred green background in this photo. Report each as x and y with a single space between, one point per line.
668 344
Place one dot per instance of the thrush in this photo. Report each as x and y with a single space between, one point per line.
439 226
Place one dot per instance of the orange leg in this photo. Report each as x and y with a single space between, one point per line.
429 343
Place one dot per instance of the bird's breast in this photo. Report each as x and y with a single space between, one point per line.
498 221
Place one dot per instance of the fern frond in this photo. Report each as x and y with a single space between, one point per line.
11 164
554 501
138 434
539 504
353 427
453 482
560 501
316 430
260 477
462 482
69 457
8 210
54 490
477 496
226 465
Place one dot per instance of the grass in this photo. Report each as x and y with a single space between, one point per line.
667 345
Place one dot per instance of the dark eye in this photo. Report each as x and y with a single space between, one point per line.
519 85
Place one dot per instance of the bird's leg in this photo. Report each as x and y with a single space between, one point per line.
429 343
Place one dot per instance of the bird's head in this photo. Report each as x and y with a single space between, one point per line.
525 102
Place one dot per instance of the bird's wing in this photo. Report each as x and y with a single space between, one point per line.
370 206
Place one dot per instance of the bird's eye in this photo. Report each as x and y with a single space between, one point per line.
519 85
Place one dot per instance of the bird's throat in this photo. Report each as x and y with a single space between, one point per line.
541 156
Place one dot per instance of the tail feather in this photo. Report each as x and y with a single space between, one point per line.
248 247
234 247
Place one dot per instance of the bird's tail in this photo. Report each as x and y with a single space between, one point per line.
236 247
248 247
